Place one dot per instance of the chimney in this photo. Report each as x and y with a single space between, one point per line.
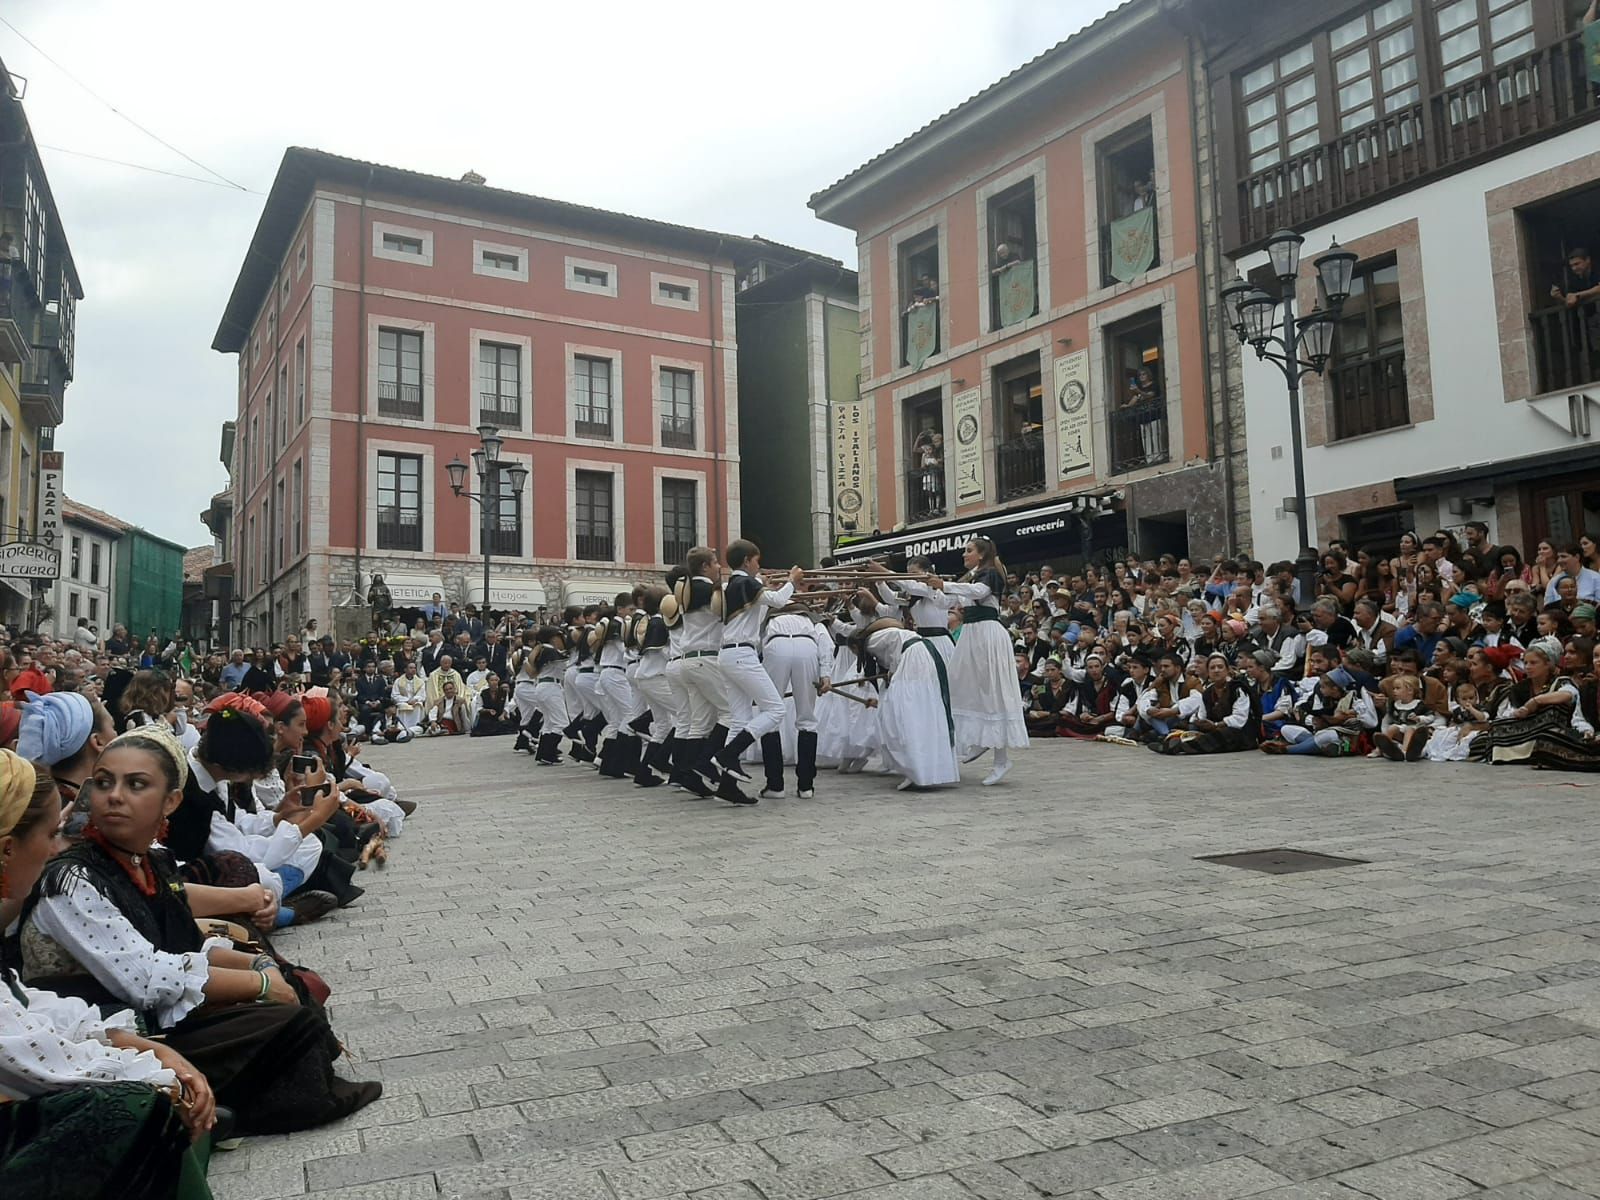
473 177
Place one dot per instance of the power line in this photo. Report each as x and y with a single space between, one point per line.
142 129
153 170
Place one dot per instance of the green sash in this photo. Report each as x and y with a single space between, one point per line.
944 684
979 612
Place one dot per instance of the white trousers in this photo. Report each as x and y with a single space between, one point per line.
749 684
588 688
704 700
655 693
569 685
616 699
792 665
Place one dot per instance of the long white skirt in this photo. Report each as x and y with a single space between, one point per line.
846 730
983 689
913 722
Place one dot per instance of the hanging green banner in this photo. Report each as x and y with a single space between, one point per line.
1591 50
1133 245
922 333
1014 283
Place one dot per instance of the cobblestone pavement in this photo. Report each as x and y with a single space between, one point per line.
581 991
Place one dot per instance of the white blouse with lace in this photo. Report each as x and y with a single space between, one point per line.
50 1042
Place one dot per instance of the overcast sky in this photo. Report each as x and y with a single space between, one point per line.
709 114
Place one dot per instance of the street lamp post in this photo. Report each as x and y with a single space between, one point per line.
1298 346
487 466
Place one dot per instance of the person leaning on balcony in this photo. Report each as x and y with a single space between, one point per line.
1583 289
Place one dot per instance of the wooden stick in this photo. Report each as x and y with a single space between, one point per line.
839 683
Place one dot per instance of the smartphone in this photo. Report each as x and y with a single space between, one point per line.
310 792
303 764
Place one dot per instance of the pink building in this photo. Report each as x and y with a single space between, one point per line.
381 315
1033 349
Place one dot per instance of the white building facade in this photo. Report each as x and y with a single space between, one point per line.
86 587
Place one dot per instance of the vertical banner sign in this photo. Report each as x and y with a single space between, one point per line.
852 469
1074 433
50 484
968 411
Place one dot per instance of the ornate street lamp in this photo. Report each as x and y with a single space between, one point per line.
1296 346
486 465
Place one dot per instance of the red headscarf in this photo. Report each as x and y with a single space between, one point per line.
276 703
319 711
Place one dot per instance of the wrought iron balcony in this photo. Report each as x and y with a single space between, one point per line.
675 550
1020 465
495 409
925 499
595 547
1138 436
1525 98
1566 346
505 540
677 433
400 400
399 529
1369 394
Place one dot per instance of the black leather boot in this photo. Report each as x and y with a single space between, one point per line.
772 765
805 764
728 757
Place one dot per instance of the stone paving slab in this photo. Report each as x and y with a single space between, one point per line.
575 989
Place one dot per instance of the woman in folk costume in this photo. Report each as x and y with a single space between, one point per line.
541 694
847 732
1223 717
983 672
914 720
87 1107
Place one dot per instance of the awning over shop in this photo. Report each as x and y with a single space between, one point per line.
591 591
1505 470
509 593
413 587
1053 528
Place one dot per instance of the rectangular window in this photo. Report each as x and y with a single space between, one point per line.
77 557
1279 102
278 496
300 383
505 523
266 540
25 507
1125 176
591 277
680 292
1019 425
283 410
399 501
270 450
592 516
1368 372
679 519
497 261
94 610
297 506
677 410
1375 68
919 298
399 243
591 396
1136 389
400 373
300 259
94 562
924 456
499 384
1013 242
250 546
72 603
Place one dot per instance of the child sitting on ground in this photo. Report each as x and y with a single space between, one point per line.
1408 722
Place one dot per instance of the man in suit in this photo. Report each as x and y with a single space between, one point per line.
372 696
432 652
493 650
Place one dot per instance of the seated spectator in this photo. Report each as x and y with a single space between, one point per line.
448 715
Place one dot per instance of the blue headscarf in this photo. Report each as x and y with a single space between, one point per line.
54 727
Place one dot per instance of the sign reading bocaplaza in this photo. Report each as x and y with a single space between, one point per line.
1074 429
967 407
852 470
29 560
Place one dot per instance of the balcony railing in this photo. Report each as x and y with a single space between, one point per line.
677 433
506 540
494 409
1138 436
1566 346
400 529
925 493
676 550
1020 464
1533 95
592 422
43 388
595 547
400 400
1369 394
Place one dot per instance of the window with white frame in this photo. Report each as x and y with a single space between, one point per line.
72 603
400 243
400 373
300 382
283 411
77 557
497 261
586 275
679 518
591 396
399 501
681 292
505 522
297 506
592 517
94 562
94 610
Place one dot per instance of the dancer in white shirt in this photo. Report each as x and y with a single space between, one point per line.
746 602
798 655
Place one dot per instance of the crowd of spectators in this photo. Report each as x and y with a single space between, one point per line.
1445 650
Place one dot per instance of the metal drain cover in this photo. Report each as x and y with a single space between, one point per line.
1281 861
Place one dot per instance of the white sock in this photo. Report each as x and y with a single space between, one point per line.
1002 757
